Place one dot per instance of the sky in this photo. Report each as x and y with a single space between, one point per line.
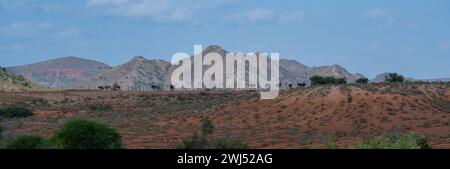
411 37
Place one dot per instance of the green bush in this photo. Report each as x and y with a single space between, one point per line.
100 107
207 126
201 141
329 142
15 111
26 84
338 81
83 134
319 80
29 142
194 142
394 78
362 80
404 141
229 144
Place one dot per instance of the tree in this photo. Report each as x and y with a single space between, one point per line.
15 111
207 126
404 141
394 78
201 141
362 80
194 142
84 134
340 81
317 80
29 142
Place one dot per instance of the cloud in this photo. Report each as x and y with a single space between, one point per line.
102 2
14 4
156 10
291 16
66 33
382 16
132 8
376 13
17 25
26 28
260 15
255 15
391 21
38 29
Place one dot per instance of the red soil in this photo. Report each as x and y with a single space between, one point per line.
296 119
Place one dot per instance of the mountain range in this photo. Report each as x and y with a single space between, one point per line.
78 73
382 77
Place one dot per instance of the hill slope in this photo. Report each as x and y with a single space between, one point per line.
305 116
136 74
12 82
299 118
59 72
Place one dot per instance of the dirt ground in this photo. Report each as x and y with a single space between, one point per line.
299 118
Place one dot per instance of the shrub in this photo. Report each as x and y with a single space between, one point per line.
404 141
15 111
83 134
338 81
329 142
201 141
394 78
229 144
319 80
362 80
26 84
100 107
29 142
19 78
194 142
207 126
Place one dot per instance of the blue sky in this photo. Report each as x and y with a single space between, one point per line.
411 37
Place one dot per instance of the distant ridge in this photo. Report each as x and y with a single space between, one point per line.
435 80
139 72
61 72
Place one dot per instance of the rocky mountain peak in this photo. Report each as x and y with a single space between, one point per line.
139 58
216 49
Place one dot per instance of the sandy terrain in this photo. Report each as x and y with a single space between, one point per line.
299 118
